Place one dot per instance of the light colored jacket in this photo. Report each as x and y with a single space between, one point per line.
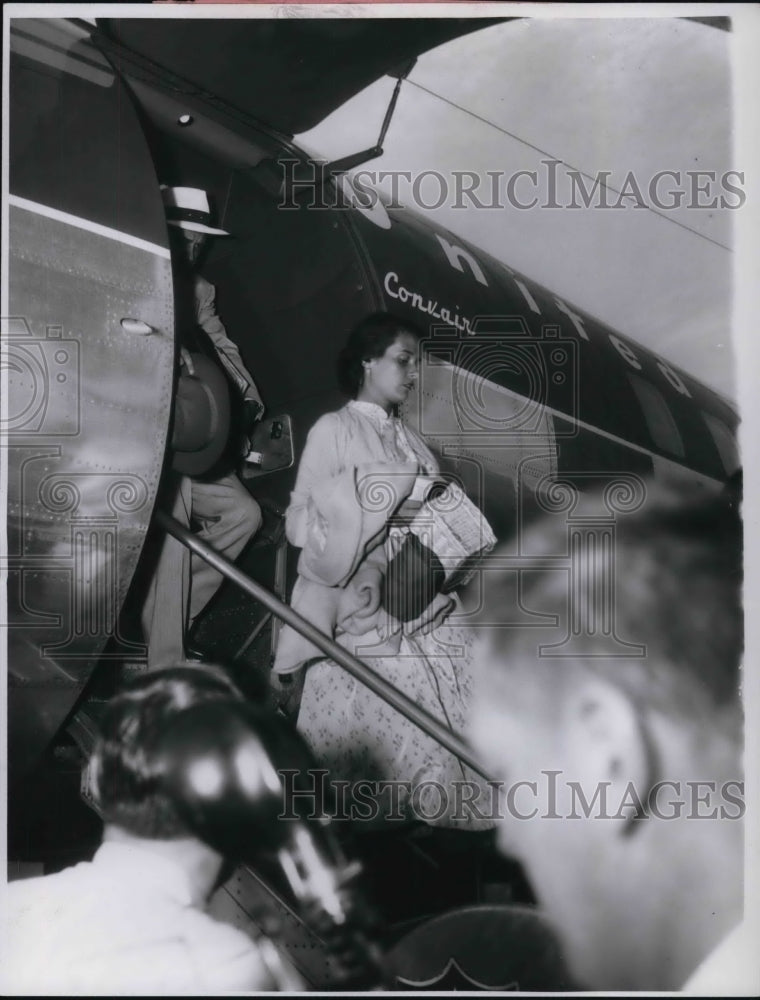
357 467
228 352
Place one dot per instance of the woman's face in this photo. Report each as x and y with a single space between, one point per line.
389 379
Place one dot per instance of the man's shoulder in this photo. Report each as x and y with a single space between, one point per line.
232 955
21 892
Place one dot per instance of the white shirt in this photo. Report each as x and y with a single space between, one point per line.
389 427
122 923
731 969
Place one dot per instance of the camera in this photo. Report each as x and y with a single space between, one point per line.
43 378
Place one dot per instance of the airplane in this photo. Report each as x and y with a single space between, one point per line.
519 390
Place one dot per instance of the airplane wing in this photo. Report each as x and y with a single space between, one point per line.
285 72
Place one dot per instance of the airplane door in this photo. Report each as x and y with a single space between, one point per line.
89 362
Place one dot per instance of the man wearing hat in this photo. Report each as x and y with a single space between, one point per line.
227 515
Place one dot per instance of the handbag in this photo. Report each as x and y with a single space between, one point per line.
439 553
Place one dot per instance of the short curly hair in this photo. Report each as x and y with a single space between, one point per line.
370 338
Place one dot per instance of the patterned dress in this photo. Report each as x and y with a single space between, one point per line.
355 734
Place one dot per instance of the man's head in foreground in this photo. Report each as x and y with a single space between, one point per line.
125 769
616 727
132 919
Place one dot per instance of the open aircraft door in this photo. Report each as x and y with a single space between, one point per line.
90 365
90 319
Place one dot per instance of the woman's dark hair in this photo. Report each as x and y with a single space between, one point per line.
126 765
370 338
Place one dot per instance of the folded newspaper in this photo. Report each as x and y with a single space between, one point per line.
434 553
450 524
